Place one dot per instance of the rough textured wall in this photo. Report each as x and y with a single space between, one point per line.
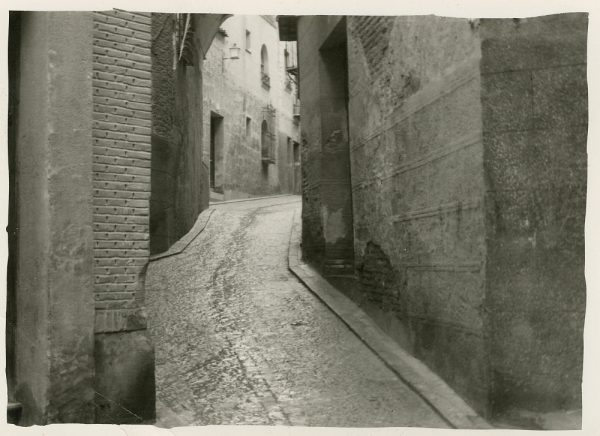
163 174
534 98
233 89
179 178
336 187
55 305
417 176
122 88
469 176
312 33
14 45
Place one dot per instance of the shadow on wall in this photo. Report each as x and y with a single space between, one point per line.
179 178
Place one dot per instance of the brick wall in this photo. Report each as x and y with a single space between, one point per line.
121 165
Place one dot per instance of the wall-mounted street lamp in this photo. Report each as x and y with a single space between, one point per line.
234 52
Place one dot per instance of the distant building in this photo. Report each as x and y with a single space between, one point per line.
249 96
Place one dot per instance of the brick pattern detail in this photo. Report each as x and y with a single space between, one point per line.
121 154
375 273
373 33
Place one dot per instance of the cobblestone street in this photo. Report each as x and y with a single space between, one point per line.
239 340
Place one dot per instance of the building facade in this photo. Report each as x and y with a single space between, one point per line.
249 94
444 163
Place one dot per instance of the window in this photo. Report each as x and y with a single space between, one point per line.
248 41
264 67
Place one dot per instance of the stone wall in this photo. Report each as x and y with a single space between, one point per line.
534 98
417 180
468 172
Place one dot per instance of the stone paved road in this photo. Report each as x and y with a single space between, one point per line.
239 340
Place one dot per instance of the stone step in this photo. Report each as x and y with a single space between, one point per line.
13 413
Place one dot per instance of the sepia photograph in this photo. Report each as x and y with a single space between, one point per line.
355 221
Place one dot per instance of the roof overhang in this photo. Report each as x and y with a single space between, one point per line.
288 30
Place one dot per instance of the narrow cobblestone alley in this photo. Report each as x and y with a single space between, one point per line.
239 340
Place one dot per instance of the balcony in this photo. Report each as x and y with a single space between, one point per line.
292 69
266 80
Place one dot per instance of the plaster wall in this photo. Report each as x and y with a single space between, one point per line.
55 306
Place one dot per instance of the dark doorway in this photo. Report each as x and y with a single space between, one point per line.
265 147
216 152
297 181
336 188
290 165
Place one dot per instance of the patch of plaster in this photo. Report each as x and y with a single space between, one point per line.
333 224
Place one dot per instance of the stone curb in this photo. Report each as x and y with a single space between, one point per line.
186 240
200 225
425 383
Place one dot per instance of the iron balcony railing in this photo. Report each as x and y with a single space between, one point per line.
266 80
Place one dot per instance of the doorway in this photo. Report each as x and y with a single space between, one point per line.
336 188
216 153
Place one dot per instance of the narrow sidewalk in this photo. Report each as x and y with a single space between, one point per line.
428 385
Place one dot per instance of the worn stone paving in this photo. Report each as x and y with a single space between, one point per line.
239 340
